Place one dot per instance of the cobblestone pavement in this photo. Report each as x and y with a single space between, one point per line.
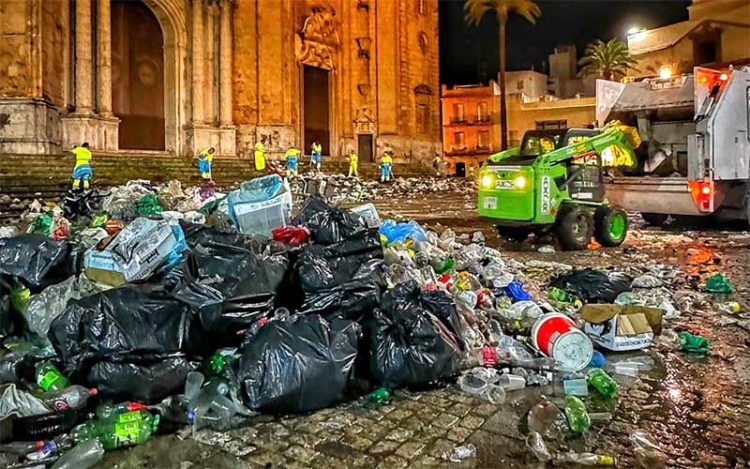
695 409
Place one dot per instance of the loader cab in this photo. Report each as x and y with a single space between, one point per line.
585 180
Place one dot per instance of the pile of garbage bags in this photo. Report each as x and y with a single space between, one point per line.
164 307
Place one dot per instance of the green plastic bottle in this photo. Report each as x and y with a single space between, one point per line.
578 418
49 378
215 364
380 396
131 428
602 382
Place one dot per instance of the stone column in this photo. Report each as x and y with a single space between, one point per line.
83 66
210 96
198 62
226 64
105 59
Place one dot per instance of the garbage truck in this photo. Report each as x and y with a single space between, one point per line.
695 155
554 182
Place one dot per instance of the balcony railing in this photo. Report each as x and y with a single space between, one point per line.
472 120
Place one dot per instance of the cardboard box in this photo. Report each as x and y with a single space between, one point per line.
621 327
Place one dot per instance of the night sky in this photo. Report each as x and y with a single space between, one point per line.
469 54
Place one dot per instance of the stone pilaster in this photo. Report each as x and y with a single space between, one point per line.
225 73
83 66
104 37
198 62
210 87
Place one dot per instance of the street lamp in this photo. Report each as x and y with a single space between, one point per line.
665 71
636 33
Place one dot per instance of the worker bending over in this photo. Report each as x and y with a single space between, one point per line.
292 161
205 161
82 172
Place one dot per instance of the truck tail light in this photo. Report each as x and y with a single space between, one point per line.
703 195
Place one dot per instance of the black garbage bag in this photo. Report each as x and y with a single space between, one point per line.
592 285
353 300
147 382
298 364
324 267
126 324
247 276
37 260
409 344
328 224
6 319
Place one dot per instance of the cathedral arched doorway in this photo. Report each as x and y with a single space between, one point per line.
138 76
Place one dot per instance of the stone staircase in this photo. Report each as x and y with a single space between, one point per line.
48 176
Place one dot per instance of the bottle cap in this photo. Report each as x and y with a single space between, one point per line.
597 359
93 392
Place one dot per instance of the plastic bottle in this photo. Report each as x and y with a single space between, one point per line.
49 378
511 382
21 448
538 447
543 416
586 459
132 428
72 397
109 410
82 456
380 396
578 418
193 384
50 449
215 364
602 382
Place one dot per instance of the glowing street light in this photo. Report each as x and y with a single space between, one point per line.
665 71
636 33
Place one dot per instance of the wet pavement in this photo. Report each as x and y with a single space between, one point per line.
697 409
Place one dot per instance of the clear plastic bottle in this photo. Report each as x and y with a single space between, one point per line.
193 384
511 382
51 448
108 410
586 459
538 447
543 416
82 456
72 397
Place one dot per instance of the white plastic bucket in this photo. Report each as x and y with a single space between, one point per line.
557 336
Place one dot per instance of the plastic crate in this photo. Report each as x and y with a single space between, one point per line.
260 218
369 214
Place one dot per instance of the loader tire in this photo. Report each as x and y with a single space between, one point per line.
574 228
611 226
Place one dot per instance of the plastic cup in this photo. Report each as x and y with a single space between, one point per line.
511 382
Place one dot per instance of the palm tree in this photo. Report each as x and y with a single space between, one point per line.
475 10
606 60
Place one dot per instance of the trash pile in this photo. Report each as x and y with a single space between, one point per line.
169 309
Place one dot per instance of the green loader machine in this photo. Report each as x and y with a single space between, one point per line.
555 182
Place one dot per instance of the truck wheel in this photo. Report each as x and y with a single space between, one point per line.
611 226
513 233
575 227
655 219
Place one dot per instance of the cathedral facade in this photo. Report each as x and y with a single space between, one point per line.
169 77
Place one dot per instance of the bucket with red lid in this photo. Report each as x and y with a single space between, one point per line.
557 336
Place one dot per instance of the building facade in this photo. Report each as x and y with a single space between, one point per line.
169 77
716 34
548 114
471 126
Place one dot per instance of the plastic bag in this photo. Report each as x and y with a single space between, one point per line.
259 189
37 260
351 300
14 401
130 323
328 225
415 338
294 235
718 283
400 232
593 286
325 267
516 291
42 224
148 381
298 364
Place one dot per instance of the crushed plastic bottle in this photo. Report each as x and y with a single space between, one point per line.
586 459
544 416
82 456
51 448
193 384
578 418
538 447
482 382
462 452
21 448
602 382
643 446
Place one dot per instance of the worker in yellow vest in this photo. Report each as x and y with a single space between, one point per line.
260 156
316 154
82 172
205 161
353 158
292 161
386 166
